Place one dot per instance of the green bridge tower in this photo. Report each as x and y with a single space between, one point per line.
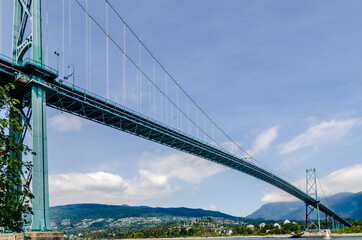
25 11
312 214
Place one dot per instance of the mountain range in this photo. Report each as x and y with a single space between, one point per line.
78 212
347 205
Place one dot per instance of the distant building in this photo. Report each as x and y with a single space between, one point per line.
286 222
251 226
65 222
229 232
277 225
261 225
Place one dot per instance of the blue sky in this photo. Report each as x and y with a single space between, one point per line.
282 78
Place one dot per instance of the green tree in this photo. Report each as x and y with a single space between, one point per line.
14 195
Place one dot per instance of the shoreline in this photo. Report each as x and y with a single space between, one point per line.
309 235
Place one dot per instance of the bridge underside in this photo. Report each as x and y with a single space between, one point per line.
98 109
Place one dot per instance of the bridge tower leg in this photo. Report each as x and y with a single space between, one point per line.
24 11
312 214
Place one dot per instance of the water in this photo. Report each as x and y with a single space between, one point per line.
254 238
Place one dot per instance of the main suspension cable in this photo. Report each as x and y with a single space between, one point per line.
178 85
160 90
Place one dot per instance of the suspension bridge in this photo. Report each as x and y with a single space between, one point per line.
163 112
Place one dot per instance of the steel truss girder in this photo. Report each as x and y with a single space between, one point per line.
79 103
96 109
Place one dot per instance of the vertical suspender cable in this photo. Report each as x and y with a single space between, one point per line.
219 136
172 122
149 99
187 113
137 89
205 128
1 26
161 108
107 49
90 54
46 33
70 28
197 125
212 130
124 64
166 101
140 75
63 36
154 88
178 112
86 45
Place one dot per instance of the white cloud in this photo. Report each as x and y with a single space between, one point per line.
343 180
181 166
211 207
106 188
64 122
151 182
278 196
261 143
320 134
264 140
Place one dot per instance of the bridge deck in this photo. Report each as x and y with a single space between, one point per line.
95 108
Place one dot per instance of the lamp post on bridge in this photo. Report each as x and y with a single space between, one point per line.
57 54
71 74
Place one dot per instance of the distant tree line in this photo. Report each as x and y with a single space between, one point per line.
356 228
269 229
200 229
174 230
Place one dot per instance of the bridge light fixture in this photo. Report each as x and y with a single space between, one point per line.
57 54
